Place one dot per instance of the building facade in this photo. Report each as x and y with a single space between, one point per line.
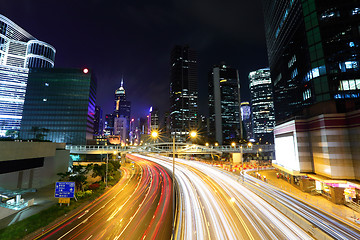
122 107
246 120
262 105
154 118
19 51
60 103
98 121
183 91
109 124
121 129
224 104
313 48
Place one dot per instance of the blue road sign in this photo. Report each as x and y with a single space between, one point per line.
64 189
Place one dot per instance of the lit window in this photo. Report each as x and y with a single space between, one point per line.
352 85
356 11
351 64
345 85
315 72
357 81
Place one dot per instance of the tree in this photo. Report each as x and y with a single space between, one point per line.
77 174
99 170
12 133
39 133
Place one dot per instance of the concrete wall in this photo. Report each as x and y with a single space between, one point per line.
354 138
25 150
37 177
327 144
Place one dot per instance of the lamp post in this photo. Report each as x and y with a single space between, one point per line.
173 190
258 160
107 164
242 163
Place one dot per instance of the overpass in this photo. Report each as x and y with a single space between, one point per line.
167 148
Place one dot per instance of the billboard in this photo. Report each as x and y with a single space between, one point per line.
286 152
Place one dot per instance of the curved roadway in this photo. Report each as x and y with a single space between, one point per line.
215 206
138 207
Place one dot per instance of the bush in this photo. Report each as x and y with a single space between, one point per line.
94 186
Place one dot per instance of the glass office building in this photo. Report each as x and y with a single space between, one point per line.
262 105
224 105
61 101
183 91
18 52
13 82
313 50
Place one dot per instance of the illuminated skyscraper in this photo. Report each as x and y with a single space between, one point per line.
224 104
98 121
313 49
262 105
183 91
62 101
18 52
246 119
122 109
154 118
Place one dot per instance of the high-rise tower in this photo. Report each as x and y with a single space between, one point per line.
183 91
19 51
262 105
224 104
121 115
313 50
122 107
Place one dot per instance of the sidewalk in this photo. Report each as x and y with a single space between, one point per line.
43 199
341 211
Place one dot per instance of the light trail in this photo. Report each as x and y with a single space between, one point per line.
217 206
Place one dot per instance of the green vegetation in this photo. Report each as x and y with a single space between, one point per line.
86 194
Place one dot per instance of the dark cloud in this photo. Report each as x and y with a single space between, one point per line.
134 38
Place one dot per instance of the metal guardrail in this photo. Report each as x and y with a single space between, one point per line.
180 148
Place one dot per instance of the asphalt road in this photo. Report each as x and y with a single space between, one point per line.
138 207
213 205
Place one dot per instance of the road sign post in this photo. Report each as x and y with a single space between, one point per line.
64 191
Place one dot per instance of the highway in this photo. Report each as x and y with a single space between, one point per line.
329 224
138 207
213 205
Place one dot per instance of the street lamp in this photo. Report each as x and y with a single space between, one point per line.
154 134
257 155
242 163
233 144
207 144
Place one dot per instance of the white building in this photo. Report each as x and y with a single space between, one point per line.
19 51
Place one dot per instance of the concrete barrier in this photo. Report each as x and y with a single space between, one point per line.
298 219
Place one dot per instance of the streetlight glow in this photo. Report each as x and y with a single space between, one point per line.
154 134
233 144
193 134
207 144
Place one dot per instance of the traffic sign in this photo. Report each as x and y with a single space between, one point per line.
64 189
64 200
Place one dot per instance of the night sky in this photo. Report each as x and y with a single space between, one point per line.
134 39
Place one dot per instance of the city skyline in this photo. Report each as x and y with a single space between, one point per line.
141 56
